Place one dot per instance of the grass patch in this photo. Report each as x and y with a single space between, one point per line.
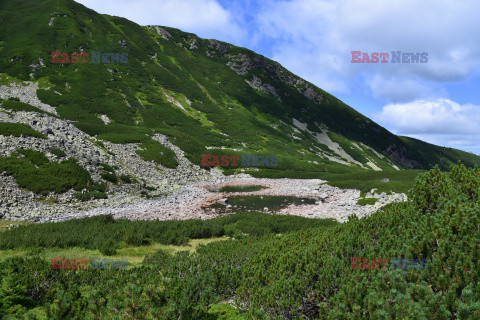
4 223
128 179
107 167
366 201
225 311
134 254
339 176
400 181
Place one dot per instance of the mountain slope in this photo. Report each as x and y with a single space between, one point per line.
176 98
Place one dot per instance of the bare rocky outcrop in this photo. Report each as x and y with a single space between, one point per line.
242 64
27 93
218 46
256 83
397 154
162 32
194 44
58 15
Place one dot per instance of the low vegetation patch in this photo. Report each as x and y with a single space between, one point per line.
155 151
17 129
364 180
90 195
128 179
366 201
107 167
110 177
16 105
58 152
33 171
93 232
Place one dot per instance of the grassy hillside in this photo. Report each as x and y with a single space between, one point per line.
200 93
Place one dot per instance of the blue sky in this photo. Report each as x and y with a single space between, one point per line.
437 101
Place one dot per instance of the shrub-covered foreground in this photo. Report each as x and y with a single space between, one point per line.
301 275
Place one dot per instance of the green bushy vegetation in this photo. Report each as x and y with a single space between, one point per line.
33 171
366 201
155 151
441 156
17 129
16 105
303 274
92 233
128 179
58 152
107 167
364 180
110 177
35 157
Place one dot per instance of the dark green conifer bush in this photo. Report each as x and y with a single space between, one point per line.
110 177
17 129
57 152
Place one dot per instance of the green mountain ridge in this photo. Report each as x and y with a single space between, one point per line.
207 96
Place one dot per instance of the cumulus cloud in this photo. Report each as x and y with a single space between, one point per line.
439 121
207 18
324 32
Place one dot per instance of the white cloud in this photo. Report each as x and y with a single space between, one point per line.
323 33
207 18
390 88
440 121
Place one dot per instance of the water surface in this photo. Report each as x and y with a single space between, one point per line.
258 203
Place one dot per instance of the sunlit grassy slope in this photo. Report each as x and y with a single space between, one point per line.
194 91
